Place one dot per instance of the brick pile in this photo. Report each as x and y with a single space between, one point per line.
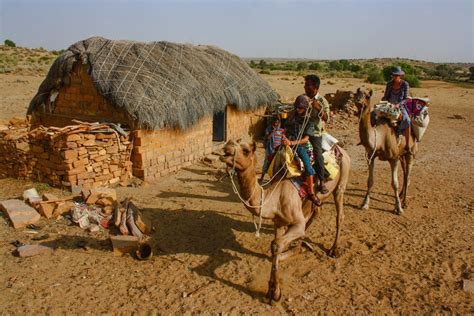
84 155
15 151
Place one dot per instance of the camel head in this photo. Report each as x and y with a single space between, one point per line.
362 99
242 156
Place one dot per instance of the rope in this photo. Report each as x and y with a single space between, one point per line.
262 202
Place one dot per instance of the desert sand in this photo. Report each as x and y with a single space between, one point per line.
208 260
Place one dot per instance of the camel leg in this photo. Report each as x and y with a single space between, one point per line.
370 184
394 167
278 246
339 201
406 178
404 170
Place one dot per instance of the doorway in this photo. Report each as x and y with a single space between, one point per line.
218 127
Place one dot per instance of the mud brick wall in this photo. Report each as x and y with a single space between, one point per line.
77 99
86 159
157 153
15 155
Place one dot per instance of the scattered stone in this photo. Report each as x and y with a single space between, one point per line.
124 244
98 193
49 197
33 250
468 285
31 196
47 209
19 213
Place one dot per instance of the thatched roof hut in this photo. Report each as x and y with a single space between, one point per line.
161 84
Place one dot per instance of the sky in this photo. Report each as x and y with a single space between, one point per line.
432 30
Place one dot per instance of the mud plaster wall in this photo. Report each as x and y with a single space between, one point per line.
157 153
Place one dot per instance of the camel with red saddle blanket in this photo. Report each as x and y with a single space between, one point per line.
380 140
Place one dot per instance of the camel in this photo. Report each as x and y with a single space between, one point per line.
281 203
381 141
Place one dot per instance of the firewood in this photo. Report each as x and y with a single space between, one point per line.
123 224
131 224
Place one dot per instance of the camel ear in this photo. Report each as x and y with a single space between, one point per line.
358 90
238 140
371 92
253 146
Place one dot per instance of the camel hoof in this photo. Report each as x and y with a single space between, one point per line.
333 253
273 295
399 211
364 207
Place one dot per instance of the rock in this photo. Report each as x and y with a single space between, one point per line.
468 285
19 213
49 197
62 207
98 193
124 244
33 250
47 209
76 189
31 196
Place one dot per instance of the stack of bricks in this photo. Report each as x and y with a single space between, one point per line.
83 158
15 155
84 155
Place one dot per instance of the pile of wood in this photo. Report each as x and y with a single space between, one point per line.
130 221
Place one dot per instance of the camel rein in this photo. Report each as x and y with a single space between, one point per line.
369 160
262 202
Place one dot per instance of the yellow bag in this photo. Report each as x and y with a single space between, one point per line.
284 156
330 164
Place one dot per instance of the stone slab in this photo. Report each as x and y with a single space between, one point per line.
19 213
124 244
33 250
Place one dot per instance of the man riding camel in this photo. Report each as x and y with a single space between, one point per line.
319 116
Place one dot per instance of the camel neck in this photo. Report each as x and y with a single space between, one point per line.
365 126
249 189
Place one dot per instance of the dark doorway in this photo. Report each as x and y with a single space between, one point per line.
218 127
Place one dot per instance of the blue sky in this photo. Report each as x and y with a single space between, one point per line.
436 30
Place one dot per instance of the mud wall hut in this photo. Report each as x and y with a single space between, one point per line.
177 100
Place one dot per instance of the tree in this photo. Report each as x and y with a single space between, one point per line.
355 68
335 65
9 43
375 76
344 64
471 70
315 66
252 64
302 66
262 64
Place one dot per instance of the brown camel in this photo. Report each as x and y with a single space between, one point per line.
281 203
381 141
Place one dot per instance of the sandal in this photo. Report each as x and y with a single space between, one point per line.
313 198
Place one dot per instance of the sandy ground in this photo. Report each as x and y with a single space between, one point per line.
208 260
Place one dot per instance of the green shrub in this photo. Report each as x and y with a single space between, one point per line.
412 80
355 68
301 66
471 70
375 76
265 72
9 43
315 66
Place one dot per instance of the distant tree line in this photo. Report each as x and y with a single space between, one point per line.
372 72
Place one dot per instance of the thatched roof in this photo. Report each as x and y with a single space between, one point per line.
162 84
